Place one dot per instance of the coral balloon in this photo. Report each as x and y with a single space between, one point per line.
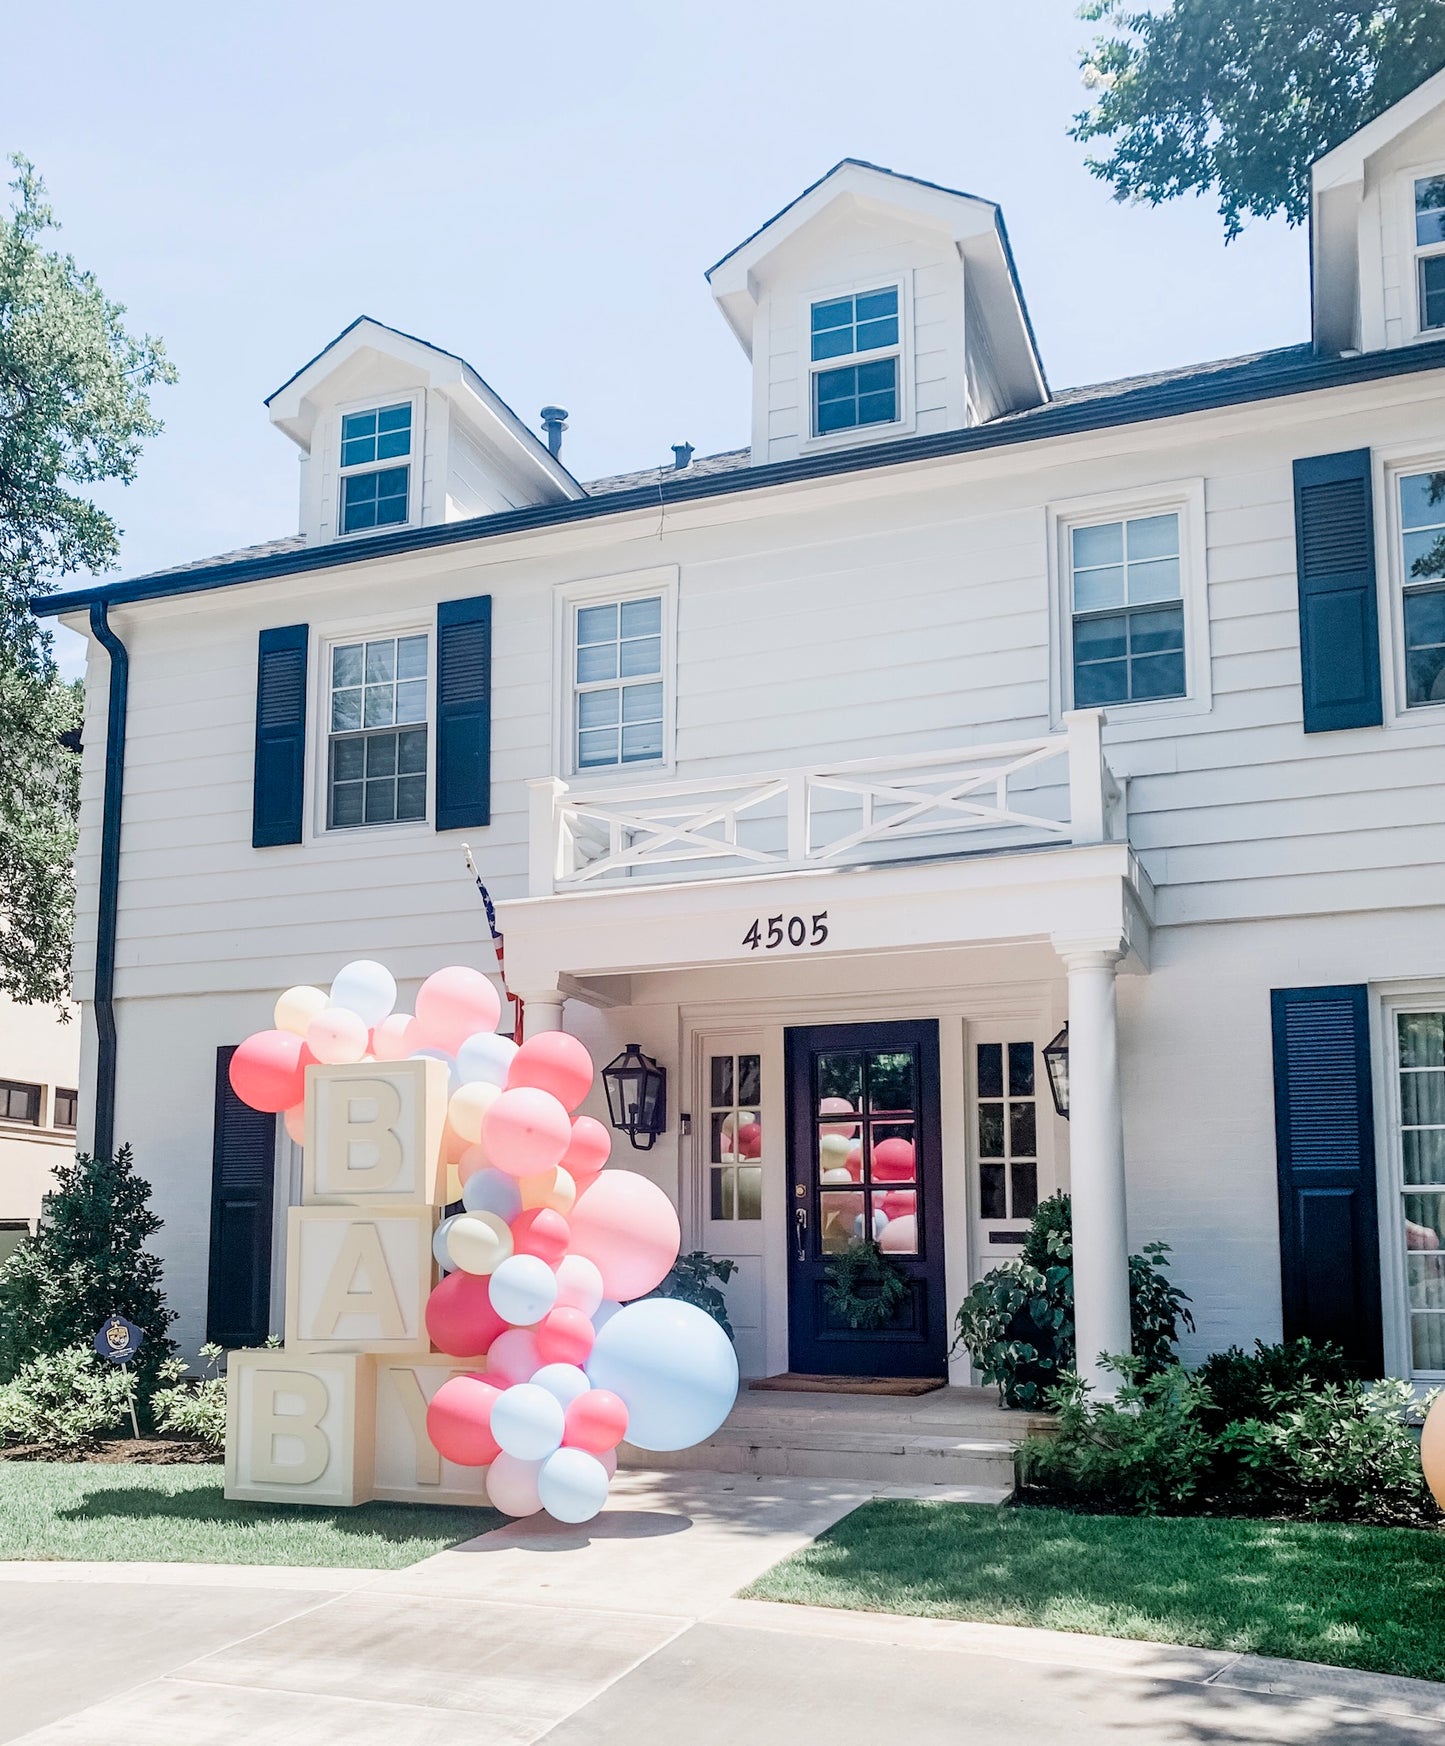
838 1106
478 1242
468 1104
579 1285
565 1336
628 1227
337 1037
572 1485
543 1233
750 1140
898 1236
587 1151
294 1121
268 1071
460 1318
673 1366
566 1381
855 1162
596 1421
455 1004
554 1188
900 1203
366 988
296 1008
554 1062
485 1058
389 1038
458 1421
514 1357
527 1421
512 1486
894 1161
524 1288
526 1131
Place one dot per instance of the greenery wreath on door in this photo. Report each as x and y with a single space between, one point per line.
864 1287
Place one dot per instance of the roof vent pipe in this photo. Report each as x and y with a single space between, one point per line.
554 422
681 456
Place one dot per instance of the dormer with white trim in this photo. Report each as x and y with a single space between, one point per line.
875 307
1377 229
396 433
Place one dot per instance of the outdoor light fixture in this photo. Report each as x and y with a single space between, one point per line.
636 1096
1056 1060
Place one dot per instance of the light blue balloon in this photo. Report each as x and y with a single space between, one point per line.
366 988
523 1289
485 1058
454 1081
572 1485
439 1245
493 1191
566 1381
880 1222
527 1421
604 1313
673 1366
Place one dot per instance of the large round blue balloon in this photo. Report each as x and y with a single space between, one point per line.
493 1191
673 1366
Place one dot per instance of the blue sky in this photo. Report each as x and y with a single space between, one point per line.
541 189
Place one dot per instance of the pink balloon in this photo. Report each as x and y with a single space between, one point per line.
838 1106
452 1005
893 1161
899 1236
608 1458
750 1140
588 1150
899 1202
459 1421
853 1163
294 1121
543 1232
460 1318
512 1486
595 1421
628 1227
526 1132
268 1071
553 1061
471 1161
579 1285
565 1336
337 1037
513 1356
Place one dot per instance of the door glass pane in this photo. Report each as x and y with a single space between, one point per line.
1424 1156
722 1081
750 1191
1020 1069
840 1076
894 1156
993 1192
1008 1173
990 1132
1025 1185
841 1214
735 1138
750 1078
1021 1130
895 1221
723 1193
990 1070
890 1083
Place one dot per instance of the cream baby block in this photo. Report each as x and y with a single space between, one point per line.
357 1278
374 1134
408 1468
299 1429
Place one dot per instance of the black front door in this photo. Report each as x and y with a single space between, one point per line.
864 1156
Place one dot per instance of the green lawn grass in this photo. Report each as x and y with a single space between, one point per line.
1351 1596
93 1511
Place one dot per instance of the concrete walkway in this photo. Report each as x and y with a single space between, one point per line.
622 1633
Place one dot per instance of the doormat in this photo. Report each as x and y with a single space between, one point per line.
901 1385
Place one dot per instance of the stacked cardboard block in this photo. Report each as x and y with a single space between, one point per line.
338 1415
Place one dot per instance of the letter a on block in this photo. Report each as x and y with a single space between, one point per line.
374 1133
360 1285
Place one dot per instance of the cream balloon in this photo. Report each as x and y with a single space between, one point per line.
296 1008
389 1039
478 1242
469 1103
556 1189
833 1149
1432 1450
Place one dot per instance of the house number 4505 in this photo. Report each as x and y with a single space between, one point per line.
793 930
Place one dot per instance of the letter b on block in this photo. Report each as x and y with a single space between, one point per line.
374 1134
299 1429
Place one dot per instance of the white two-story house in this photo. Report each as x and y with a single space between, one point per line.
950 721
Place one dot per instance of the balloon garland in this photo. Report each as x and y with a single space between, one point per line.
541 1268
864 1287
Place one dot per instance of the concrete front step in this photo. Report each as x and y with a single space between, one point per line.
843 1454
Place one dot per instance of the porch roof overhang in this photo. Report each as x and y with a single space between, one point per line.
583 941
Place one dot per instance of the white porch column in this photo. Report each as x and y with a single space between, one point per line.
541 1011
1096 1160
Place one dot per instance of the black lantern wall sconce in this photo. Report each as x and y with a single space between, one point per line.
636 1097
1056 1061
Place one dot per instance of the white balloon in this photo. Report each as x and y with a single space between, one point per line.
512 1486
478 1242
485 1058
523 1289
366 988
673 1366
566 1381
579 1284
572 1485
527 1421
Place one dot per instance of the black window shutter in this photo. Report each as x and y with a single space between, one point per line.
1338 619
243 1170
280 782
1325 1147
464 713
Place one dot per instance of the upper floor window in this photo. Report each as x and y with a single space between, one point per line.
374 490
1430 249
1127 608
19 1102
858 337
617 685
1422 575
66 1104
376 760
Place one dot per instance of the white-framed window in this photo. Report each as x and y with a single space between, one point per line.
1131 603
375 467
1428 220
1415 1037
616 685
856 360
377 691
1419 562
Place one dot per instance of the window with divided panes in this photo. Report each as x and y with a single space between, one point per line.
735 1138
19 1102
866 1147
377 751
1420 1064
1008 1130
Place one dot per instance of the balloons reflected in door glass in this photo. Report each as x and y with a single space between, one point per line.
840 1213
894 1157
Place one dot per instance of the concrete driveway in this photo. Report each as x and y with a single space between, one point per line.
622 1633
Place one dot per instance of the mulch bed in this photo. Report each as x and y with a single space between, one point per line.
123 1451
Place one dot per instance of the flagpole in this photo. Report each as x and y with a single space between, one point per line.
497 941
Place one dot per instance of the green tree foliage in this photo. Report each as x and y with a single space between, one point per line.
1237 97
74 413
87 1260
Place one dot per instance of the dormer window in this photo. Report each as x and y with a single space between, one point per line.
374 490
1430 250
856 338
